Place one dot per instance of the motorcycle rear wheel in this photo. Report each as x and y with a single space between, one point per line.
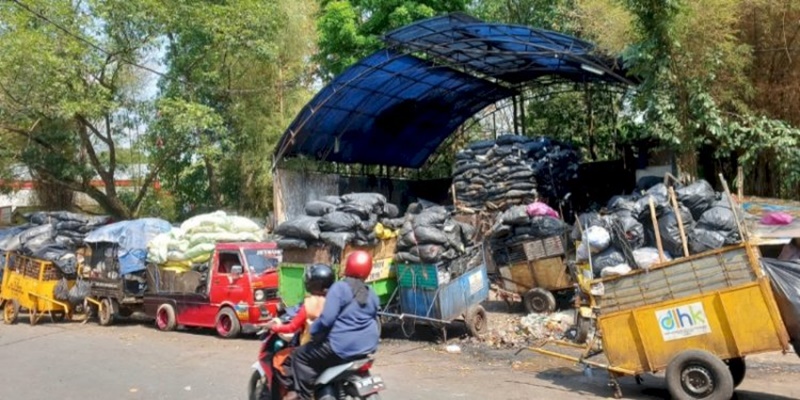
256 388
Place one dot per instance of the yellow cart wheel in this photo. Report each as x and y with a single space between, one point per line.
10 312
697 374
538 300
58 316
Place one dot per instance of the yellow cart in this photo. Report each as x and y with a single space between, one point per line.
695 318
29 284
533 271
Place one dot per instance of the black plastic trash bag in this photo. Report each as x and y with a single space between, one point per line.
335 200
339 221
431 217
670 232
703 240
428 253
317 208
337 239
545 227
609 258
291 243
360 210
586 220
373 201
406 257
79 292
429 235
634 231
785 279
516 216
302 228
698 197
390 210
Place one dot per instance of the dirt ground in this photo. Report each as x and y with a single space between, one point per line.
134 361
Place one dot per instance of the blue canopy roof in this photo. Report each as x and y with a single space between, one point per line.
388 109
510 53
393 108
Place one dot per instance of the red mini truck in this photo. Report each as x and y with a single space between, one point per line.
235 293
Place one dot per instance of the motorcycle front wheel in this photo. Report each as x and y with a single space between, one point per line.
257 389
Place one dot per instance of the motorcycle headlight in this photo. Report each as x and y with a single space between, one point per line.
259 295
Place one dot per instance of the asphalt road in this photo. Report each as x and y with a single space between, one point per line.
134 361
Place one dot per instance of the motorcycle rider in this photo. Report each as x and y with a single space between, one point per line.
346 330
317 279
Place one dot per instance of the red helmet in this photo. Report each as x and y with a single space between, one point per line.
358 265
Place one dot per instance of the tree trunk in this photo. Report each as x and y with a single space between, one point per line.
213 183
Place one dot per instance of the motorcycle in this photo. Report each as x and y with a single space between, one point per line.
351 380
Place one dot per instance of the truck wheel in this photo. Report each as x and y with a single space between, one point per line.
10 312
697 374
105 315
228 325
539 301
738 370
165 318
476 320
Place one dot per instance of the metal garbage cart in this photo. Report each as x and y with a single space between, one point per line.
29 284
424 295
695 318
533 272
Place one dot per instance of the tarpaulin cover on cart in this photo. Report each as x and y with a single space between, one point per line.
132 238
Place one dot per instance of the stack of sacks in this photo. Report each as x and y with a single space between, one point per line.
525 223
53 236
339 221
512 170
195 240
69 228
431 235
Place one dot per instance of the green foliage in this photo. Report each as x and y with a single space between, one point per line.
350 29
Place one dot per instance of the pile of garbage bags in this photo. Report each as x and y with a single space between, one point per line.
512 170
625 239
194 241
361 219
524 223
52 236
431 235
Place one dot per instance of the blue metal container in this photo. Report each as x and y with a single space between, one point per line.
448 301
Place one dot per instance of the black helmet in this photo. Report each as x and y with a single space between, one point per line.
318 278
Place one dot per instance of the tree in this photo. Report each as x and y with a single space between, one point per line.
241 70
350 29
76 93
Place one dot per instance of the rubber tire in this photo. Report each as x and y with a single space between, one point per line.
10 312
723 388
58 317
538 300
256 389
738 370
169 314
105 315
125 312
477 321
236 326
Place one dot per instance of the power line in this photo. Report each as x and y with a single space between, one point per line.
84 40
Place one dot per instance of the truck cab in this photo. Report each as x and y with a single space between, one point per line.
235 292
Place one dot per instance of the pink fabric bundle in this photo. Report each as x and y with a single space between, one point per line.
539 209
773 218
